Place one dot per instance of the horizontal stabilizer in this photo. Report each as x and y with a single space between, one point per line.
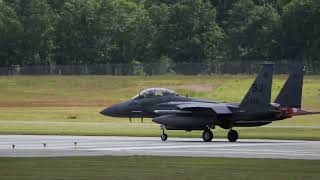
302 112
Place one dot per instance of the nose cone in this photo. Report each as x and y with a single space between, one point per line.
107 111
118 110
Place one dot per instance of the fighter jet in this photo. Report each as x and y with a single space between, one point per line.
175 112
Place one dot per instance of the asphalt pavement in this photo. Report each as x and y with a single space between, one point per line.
60 146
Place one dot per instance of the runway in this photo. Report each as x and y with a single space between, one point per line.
58 146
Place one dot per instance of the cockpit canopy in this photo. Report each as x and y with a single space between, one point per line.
154 92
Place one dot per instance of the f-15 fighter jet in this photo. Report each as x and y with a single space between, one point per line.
175 112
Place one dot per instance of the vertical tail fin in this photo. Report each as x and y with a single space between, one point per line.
259 95
291 93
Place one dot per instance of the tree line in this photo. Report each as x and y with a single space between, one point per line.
76 32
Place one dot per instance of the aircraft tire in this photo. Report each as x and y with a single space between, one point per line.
164 137
233 136
207 135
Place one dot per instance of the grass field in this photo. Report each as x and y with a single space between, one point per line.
62 91
71 104
137 167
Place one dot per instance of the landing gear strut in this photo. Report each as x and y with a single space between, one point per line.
163 136
233 135
207 135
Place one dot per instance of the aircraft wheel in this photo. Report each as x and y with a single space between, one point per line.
207 135
164 137
233 135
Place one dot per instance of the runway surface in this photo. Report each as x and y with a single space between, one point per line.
55 146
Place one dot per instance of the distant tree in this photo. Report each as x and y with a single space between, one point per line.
10 33
130 31
42 32
250 30
37 40
56 5
101 31
222 7
74 32
186 31
300 30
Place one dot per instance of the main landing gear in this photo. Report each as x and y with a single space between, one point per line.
233 135
207 135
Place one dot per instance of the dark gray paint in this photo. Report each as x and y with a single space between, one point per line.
179 112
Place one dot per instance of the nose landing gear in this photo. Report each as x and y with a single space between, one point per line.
163 136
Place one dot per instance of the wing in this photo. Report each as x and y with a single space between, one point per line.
197 108
218 108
